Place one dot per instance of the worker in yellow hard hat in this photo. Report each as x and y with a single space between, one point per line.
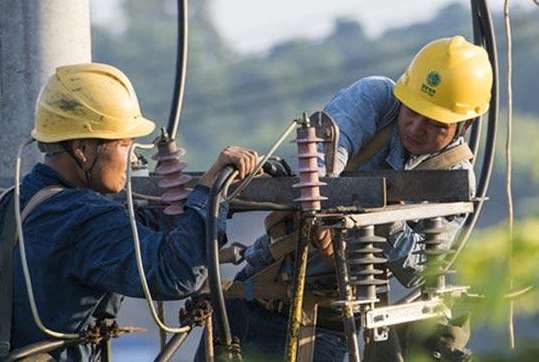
78 241
383 125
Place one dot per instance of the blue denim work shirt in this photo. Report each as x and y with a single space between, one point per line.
80 253
360 111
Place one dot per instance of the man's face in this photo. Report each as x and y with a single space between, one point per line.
109 172
421 135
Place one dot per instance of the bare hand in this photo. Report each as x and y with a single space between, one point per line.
322 240
243 159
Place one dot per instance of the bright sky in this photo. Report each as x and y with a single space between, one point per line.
254 25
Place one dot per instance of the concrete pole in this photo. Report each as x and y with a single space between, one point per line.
36 36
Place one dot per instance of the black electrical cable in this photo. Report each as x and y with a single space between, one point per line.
475 134
481 12
181 70
212 250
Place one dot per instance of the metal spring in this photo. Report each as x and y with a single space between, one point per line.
434 251
366 262
170 169
309 183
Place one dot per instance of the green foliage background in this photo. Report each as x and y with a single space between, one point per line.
248 100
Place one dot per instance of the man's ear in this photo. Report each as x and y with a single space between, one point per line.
79 149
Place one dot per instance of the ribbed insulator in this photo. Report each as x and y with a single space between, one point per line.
170 168
434 251
366 261
309 183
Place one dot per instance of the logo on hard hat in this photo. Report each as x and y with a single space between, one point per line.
434 79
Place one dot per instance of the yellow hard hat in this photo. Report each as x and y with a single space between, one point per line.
88 101
449 81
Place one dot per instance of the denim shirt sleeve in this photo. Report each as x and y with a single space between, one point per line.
174 261
360 111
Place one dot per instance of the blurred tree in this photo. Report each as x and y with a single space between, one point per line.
249 99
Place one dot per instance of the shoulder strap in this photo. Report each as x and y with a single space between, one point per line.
447 159
8 240
374 145
38 198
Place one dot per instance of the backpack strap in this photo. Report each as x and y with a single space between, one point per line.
8 241
447 159
375 144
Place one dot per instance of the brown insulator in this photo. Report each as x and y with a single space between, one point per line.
309 183
170 169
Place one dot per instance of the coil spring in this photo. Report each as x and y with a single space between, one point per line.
366 262
309 183
433 251
170 169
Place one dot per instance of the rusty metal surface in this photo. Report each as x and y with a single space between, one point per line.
368 190
423 185
363 191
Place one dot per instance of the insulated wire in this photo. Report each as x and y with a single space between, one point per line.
138 254
249 178
24 261
488 161
508 180
181 69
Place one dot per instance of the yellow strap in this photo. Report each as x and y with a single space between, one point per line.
367 151
447 159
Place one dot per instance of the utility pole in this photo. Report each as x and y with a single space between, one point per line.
36 36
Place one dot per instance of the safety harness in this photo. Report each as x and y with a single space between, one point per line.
8 241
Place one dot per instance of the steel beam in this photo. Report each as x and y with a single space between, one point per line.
423 185
367 190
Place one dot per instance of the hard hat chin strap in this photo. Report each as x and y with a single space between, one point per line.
87 172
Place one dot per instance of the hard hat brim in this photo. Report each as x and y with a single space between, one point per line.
430 110
140 127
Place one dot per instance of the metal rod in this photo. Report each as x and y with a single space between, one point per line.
162 333
171 347
208 339
296 308
105 346
346 295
